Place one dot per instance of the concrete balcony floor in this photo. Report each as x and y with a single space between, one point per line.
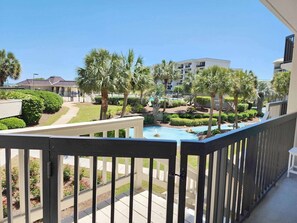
279 205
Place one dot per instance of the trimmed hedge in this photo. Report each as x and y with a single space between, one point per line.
203 100
191 122
252 113
224 116
3 127
231 99
231 117
32 106
13 123
52 101
148 119
118 100
242 107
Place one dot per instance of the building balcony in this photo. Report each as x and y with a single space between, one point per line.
220 179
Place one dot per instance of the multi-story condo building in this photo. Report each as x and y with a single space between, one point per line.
193 65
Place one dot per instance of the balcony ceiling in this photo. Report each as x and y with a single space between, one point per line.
285 10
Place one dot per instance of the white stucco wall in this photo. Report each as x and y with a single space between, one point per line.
10 108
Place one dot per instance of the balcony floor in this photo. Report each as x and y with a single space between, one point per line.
279 205
139 211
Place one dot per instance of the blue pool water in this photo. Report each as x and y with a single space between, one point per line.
175 133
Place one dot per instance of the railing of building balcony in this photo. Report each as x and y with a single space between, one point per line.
276 109
236 169
289 47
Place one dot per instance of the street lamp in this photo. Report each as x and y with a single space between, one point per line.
33 81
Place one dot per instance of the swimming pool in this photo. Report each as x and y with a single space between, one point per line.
176 133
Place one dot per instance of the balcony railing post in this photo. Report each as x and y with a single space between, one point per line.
1 203
138 133
22 180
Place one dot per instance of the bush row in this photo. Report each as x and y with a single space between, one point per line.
203 100
12 123
32 106
52 101
243 116
191 122
120 100
173 103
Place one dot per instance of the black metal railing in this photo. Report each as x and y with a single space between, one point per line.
289 48
237 169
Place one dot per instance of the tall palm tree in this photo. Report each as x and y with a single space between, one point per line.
208 82
223 88
9 67
243 85
99 75
165 72
128 76
142 81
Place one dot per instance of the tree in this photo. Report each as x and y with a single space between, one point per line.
128 76
242 85
99 75
143 80
281 83
208 82
178 89
165 72
9 67
224 85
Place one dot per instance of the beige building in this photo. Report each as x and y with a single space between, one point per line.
193 65
54 84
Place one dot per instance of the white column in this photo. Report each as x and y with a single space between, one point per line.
138 133
292 99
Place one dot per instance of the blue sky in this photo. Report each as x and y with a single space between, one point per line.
53 37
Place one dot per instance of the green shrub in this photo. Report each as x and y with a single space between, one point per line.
111 134
52 101
138 108
242 107
67 173
231 117
244 116
231 99
191 122
148 119
3 127
118 100
203 100
213 132
205 115
32 106
13 123
224 116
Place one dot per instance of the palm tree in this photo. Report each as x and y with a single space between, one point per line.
243 85
223 88
143 80
128 76
99 75
9 67
165 72
208 82
281 83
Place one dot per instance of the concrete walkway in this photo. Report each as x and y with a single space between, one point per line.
279 205
72 112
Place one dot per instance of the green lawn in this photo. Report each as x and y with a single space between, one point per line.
90 112
49 119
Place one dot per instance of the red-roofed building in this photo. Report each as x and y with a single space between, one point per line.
54 84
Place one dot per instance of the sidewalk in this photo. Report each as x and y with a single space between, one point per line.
72 112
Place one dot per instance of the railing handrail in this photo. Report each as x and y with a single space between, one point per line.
210 145
83 127
277 103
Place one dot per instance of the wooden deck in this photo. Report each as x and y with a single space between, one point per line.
140 210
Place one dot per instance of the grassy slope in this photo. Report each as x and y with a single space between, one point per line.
90 112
